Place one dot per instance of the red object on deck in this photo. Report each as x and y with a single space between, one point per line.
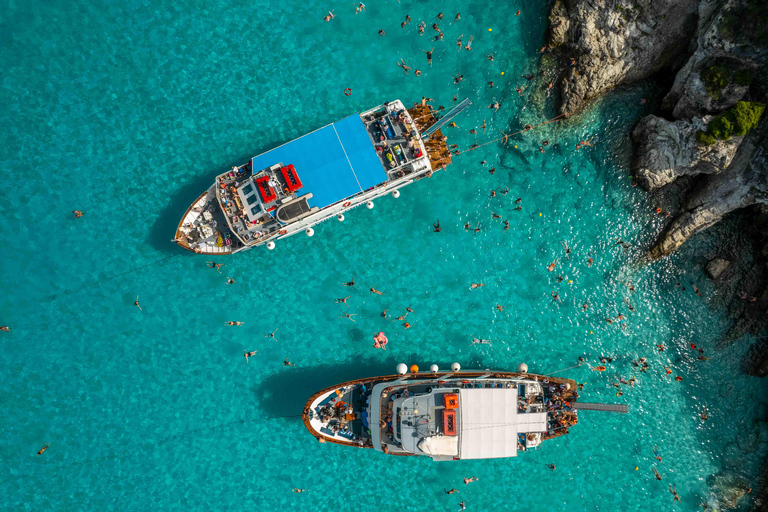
291 177
267 193
451 400
449 422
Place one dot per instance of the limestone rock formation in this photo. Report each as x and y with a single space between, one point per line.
666 150
743 183
616 42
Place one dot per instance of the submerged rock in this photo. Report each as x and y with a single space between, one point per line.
716 267
666 150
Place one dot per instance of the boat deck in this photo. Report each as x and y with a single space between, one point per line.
437 146
204 230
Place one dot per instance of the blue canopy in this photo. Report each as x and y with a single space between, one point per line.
333 163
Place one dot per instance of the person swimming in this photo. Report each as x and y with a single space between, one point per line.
350 283
656 453
429 55
45 447
247 354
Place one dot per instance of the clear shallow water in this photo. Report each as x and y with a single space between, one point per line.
128 110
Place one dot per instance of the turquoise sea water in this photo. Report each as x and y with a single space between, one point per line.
127 111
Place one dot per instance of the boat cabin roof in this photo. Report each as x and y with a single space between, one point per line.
333 162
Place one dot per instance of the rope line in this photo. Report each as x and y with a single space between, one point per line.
553 120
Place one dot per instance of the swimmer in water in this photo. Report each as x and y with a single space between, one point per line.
590 261
360 7
551 467
287 362
347 315
350 283
404 66
468 46
459 43
494 105
230 280
704 415
475 286
506 225
469 480
479 341
551 266
247 354
137 303
462 506
457 18
408 309
217 266
499 307
436 226
451 491
233 323
402 317
78 213
381 33
585 306
374 290
490 57
567 249
656 453
5 328
304 490
656 473
555 297
467 225
384 313
673 490
342 301
330 16
407 325
429 55
45 447
270 334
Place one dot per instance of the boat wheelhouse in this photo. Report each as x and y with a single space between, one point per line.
475 414
323 174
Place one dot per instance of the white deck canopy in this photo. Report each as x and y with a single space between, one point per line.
488 424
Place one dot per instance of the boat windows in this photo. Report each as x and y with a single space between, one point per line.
247 189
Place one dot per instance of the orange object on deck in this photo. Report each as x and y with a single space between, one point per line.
449 422
451 400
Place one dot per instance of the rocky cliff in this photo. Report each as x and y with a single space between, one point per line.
706 150
615 42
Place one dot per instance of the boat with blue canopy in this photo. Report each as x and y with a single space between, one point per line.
321 175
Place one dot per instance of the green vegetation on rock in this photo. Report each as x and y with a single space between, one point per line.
738 120
715 78
704 138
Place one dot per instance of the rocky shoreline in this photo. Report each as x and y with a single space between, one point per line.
703 155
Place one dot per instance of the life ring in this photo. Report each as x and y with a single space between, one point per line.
282 232
465 382
347 91
347 204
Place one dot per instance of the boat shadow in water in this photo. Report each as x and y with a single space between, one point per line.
284 394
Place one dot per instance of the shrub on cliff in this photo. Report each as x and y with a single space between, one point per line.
745 116
715 79
738 120
704 138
